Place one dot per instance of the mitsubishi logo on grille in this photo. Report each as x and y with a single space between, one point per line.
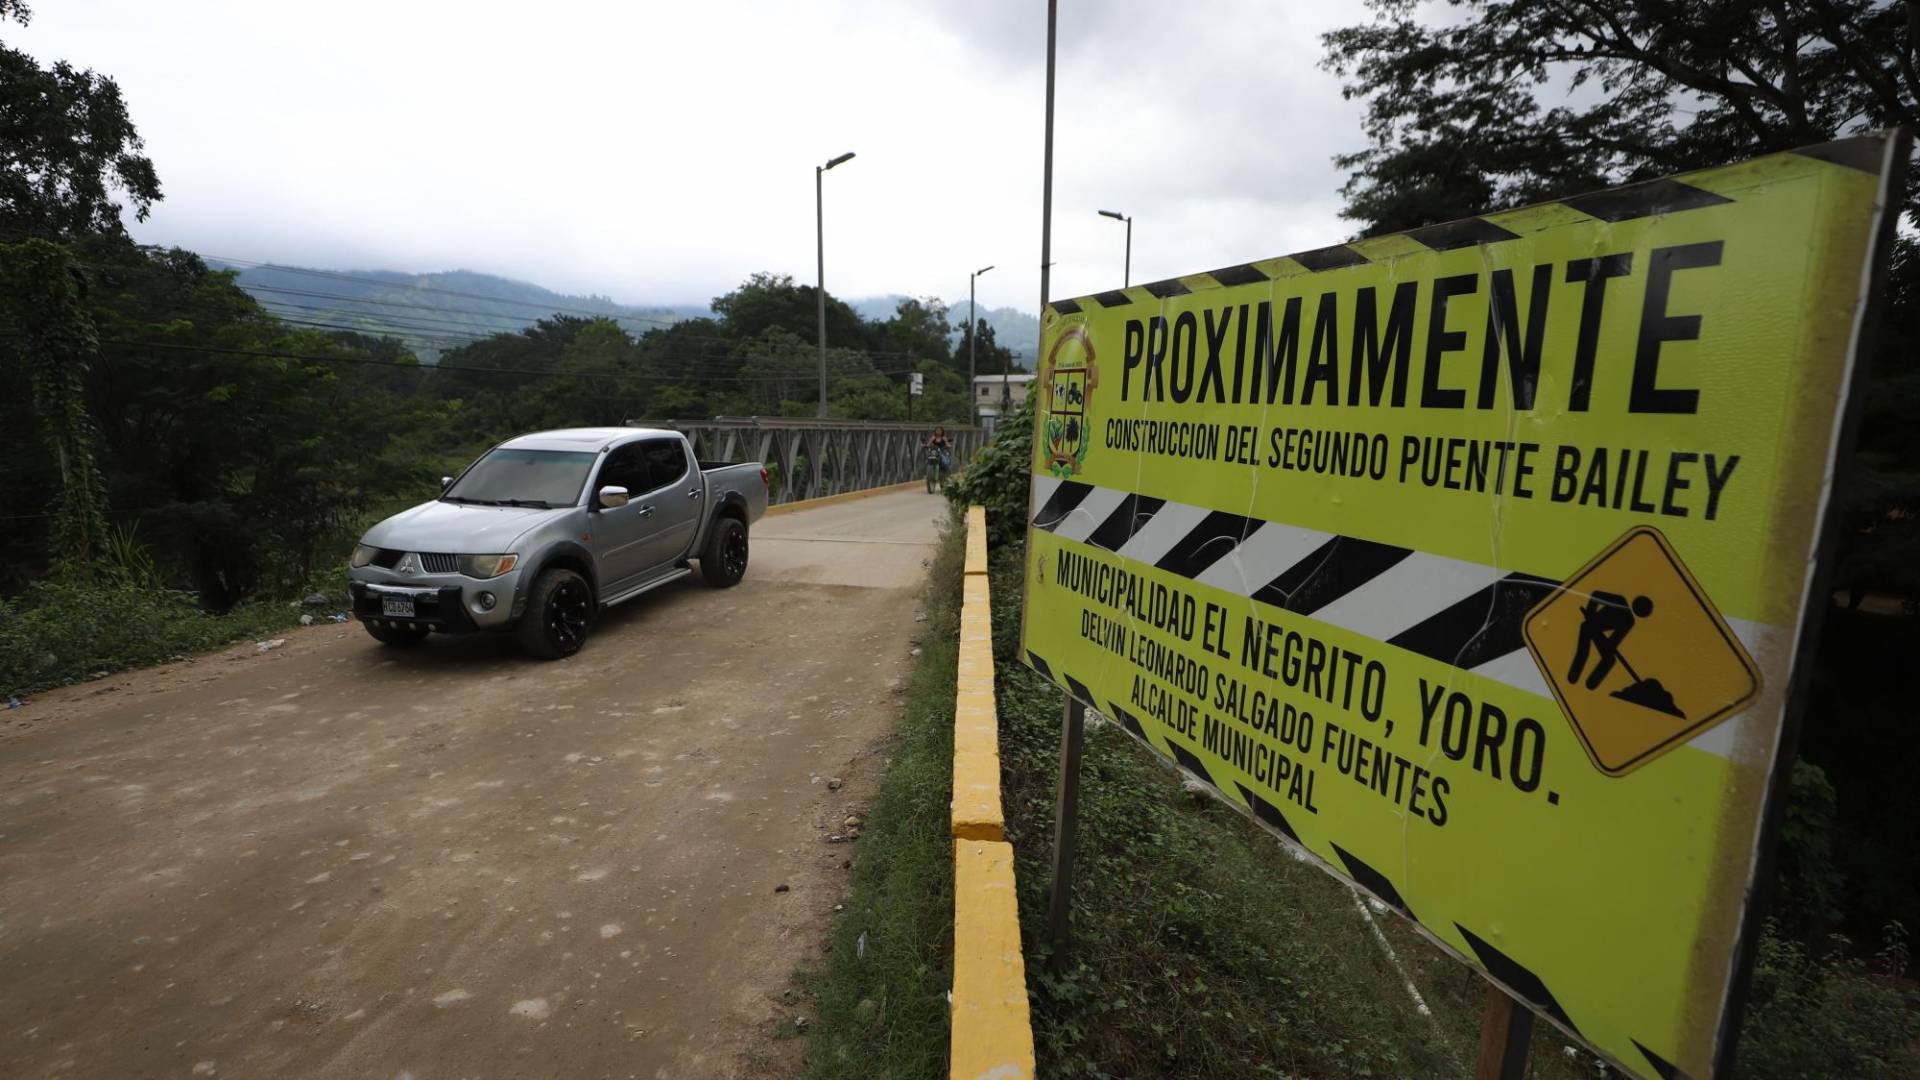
409 564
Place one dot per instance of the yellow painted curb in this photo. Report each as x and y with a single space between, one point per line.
845 496
992 1032
976 540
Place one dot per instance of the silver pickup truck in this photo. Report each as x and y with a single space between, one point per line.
546 529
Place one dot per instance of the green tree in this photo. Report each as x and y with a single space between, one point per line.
1458 119
773 300
499 380
918 330
54 345
991 358
248 449
67 149
693 369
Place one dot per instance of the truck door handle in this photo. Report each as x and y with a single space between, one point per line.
693 493
646 511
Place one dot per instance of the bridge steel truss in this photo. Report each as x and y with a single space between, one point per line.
810 458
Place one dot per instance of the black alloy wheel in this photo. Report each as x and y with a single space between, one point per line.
733 555
723 561
559 614
566 613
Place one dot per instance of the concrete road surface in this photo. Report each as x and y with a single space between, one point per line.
334 859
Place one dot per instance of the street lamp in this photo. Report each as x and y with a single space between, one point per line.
973 341
820 249
1126 275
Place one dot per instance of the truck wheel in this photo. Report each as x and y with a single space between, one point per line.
559 613
723 562
399 635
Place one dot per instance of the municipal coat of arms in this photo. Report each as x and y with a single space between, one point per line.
1071 378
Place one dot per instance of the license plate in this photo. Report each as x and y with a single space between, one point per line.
401 606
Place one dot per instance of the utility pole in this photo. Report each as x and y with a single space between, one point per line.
1046 174
973 339
820 252
1066 808
1126 274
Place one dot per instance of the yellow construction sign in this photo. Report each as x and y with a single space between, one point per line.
1474 561
1693 672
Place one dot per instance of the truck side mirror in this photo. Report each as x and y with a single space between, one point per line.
446 482
612 497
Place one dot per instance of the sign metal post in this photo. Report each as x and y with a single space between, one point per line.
1066 823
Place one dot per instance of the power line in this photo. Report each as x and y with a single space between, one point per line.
690 367
430 368
519 322
525 322
298 318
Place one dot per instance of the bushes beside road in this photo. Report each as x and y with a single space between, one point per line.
64 629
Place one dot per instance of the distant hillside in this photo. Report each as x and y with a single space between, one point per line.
439 311
431 312
1012 328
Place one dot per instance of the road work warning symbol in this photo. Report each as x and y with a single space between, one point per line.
1636 654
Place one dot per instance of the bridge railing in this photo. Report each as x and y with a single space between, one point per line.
810 459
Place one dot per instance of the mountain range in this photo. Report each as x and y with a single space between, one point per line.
431 312
434 312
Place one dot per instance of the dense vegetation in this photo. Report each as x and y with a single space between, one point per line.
174 455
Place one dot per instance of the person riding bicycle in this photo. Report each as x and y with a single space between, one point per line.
940 441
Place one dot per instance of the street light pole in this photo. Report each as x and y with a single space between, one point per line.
820 252
1126 275
973 340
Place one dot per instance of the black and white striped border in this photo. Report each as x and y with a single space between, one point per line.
1464 614
1667 195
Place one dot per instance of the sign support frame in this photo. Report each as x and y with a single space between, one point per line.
1506 1032
1066 827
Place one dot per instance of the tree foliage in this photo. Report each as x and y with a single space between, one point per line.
54 345
989 356
1505 102
68 149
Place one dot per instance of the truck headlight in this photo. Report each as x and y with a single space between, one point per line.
362 555
487 566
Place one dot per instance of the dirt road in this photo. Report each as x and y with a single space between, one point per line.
338 860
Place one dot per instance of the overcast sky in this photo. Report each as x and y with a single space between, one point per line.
659 153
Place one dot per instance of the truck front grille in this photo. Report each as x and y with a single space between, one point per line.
436 563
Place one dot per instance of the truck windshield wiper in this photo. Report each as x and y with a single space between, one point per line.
464 499
538 504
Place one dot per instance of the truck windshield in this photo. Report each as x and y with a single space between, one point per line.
523 478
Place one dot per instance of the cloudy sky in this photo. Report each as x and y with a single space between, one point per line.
659 153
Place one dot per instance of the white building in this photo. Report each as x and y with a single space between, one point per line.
994 395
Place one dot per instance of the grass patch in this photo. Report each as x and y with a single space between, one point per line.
64 630
881 995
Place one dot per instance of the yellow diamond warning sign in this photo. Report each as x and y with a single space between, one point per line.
1636 654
